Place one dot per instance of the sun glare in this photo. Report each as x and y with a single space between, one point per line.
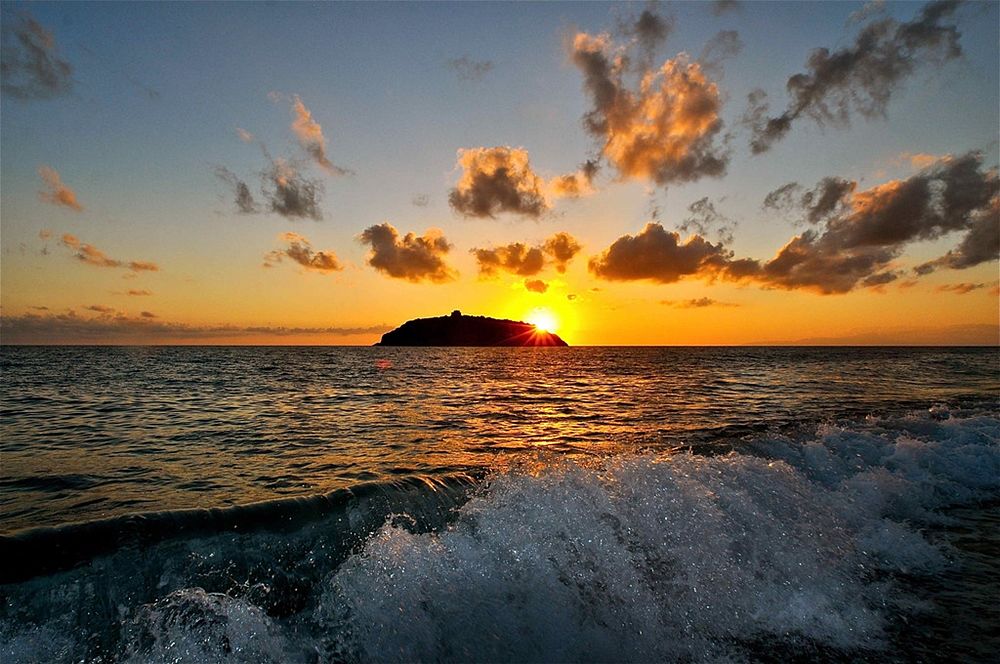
543 319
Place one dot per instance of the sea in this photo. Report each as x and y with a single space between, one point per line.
349 504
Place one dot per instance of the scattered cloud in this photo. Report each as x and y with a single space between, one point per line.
137 292
516 258
300 251
697 303
290 193
244 135
311 138
561 248
666 128
91 255
535 285
724 45
703 218
245 203
720 7
500 179
118 327
30 66
410 257
420 200
918 160
860 78
468 69
57 193
496 180
961 289
828 198
101 309
521 259
658 255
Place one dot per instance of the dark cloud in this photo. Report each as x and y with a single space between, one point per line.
411 257
516 258
703 218
101 309
561 248
468 69
118 328
720 7
291 194
91 255
30 67
860 78
535 285
245 203
856 240
300 250
871 228
658 255
649 31
420 200
826 199
664 129
495 180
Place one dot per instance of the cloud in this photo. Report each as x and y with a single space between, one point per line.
91 255
860 78
500 179
724 45
871 228
827 198
561 248
574 185
663 130
496 180
518 258
30 67
244 135
720 7
44 234
135 292
120 328
468 69
961 289
245 203
420 200
300 250
918 160
101 309
697 303
535 285
291 194
704 218
410 257
649 31
310 135
658 255
58 193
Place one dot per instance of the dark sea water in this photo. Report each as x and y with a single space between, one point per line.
551 504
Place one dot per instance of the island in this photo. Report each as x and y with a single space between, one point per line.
461 330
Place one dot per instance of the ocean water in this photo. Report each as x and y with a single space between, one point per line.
517 505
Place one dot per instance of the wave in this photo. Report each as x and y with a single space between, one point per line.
805 545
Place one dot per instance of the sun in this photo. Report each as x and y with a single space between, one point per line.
543 320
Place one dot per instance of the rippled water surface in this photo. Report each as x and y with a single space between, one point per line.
95 432
511 505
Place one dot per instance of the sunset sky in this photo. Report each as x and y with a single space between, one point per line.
689 173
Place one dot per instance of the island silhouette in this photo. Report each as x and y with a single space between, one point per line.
458 329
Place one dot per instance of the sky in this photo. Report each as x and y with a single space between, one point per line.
693 173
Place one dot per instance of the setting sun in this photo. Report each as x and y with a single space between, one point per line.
544 320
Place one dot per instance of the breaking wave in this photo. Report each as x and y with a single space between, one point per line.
827 543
